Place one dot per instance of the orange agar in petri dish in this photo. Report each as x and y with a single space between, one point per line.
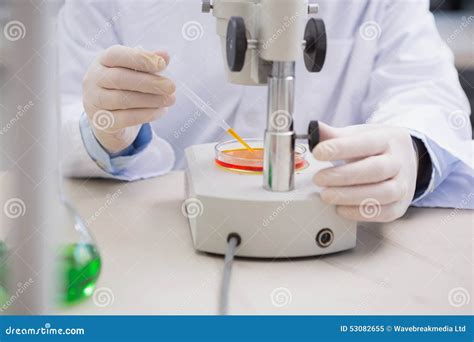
231 156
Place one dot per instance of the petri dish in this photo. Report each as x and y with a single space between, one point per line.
232 156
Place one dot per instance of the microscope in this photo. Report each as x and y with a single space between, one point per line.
283 217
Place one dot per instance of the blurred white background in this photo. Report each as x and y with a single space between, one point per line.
455 19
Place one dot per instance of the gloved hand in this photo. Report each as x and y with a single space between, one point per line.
378 180
121 91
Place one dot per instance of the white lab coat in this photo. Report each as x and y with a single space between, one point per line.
385 64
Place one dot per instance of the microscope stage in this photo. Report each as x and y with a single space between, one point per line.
270 224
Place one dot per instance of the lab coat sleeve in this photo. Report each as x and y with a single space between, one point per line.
85 28
414 84
121 165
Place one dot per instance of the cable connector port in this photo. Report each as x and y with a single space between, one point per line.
234 236
325 238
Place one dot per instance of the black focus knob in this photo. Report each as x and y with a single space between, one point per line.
236 44
316 45
313 135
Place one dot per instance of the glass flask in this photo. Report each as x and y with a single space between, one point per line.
3 273
10 209
79 261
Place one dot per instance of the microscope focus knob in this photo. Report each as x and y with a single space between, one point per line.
313 135
236 44
316 45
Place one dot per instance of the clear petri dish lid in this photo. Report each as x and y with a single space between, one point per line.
231 155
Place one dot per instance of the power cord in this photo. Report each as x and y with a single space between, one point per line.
233 241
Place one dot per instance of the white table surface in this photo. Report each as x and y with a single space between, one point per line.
150 267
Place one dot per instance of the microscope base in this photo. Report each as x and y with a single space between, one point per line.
270 224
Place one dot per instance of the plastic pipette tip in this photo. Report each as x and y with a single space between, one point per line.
239 139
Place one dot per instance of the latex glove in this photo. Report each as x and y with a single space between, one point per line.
121 91
378 180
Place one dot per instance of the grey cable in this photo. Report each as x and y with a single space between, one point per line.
232 244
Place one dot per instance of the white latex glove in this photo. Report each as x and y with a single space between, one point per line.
378 180
121 91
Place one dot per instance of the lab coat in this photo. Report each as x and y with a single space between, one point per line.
386 64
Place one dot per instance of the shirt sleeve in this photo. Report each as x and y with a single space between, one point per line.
415 85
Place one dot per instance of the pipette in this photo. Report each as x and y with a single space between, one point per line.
212 114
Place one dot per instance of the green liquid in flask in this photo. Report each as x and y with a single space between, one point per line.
3 274
80 269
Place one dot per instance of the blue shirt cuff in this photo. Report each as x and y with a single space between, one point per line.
141 142
113 163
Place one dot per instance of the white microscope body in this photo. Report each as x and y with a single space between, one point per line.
283 216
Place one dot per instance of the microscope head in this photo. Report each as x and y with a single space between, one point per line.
256 33
261 41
